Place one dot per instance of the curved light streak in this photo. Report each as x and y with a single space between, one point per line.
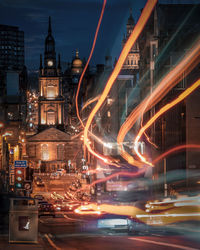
164 109
89 102
189 61
129 44
175 149
85 68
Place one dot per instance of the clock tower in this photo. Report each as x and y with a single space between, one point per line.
51 101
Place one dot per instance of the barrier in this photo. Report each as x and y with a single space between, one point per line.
23 220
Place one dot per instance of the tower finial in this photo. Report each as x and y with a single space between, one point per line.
130 11
49 29
130 19
77 53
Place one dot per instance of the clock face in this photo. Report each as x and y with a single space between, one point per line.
50 63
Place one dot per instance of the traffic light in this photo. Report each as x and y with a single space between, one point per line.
19 177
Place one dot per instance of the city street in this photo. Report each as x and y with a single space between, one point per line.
67 232
99 125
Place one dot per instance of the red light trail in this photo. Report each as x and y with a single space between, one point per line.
85 68
175 149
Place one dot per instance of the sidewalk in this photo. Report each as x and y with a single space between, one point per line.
4 244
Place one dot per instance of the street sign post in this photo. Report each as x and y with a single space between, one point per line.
20 173
11 175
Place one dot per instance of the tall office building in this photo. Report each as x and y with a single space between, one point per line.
11 48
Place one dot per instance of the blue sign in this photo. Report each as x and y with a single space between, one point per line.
20 164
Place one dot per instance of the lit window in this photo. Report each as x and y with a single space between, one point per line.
10 115
45 152
108 113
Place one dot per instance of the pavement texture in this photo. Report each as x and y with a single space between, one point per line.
4 244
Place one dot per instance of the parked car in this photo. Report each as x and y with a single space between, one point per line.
39 197
61 172
54 176
70 206
58 205
40 183
45 208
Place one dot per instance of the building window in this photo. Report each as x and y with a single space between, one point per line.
10 116
51 92
109 114
51 118
45 152
60 152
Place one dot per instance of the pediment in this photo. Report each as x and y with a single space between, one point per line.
50 134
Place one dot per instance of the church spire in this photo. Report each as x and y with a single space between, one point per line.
130 19
49 29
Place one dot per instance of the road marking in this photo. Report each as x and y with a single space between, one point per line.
164 244
51 242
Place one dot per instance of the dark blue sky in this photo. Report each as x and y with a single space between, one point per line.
73 23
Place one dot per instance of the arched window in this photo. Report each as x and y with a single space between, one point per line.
51 117
45 152
60 152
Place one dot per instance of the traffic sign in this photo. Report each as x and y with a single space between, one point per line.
27 185
20 164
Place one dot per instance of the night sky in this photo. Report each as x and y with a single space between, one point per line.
73 26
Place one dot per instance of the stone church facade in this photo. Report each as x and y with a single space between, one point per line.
51 148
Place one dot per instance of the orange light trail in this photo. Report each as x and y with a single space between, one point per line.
175 149
148 139
89 102
129 44
164 109
85 68
189 61
169 215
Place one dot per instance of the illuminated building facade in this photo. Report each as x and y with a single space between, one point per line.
51 101
13 87
51 148
70 83
124 94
